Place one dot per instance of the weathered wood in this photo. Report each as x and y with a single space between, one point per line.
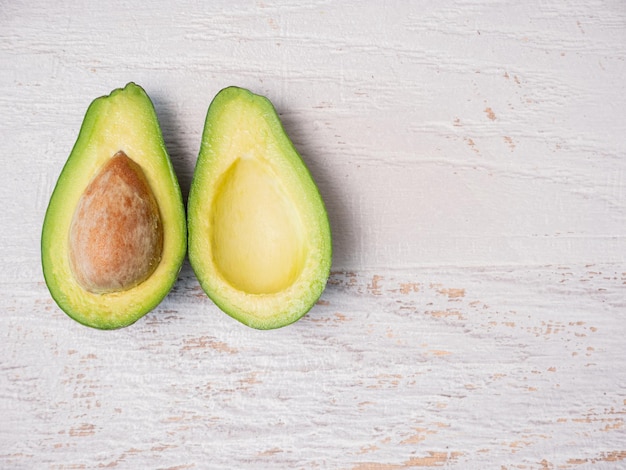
473 161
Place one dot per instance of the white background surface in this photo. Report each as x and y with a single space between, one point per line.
472 159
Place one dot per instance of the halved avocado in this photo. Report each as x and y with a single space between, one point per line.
259 236
114 234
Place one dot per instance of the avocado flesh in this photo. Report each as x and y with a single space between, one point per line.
259 236
121 128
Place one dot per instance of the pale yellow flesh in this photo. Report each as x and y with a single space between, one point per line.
257 237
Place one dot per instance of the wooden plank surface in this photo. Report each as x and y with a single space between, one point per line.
473 161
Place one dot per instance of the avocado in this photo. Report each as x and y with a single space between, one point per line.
259 236
114 234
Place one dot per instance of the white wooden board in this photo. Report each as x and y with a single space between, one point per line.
472 156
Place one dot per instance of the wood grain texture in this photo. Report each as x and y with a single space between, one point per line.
439 367
473 162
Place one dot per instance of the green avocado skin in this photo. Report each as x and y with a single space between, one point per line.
124 119
258 311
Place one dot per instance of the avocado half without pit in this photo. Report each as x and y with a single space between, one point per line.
114 234
259 236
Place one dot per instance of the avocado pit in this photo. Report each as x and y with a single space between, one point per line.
116 234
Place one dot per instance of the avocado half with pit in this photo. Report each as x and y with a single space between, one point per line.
259 236
114 234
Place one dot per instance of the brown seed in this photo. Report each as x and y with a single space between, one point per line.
116 235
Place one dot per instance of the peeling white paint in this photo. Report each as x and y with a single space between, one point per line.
471 155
